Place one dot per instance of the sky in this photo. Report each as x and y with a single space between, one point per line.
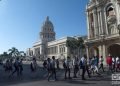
21 20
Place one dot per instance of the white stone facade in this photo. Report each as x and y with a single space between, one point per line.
103 20
48 46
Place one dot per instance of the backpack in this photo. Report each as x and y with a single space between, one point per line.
64 65
81 64
31 67
16 64
49 66
44 63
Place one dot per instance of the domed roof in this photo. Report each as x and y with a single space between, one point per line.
48 23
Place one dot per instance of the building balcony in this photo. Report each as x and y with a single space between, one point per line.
101 38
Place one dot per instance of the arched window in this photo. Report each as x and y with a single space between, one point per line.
110 11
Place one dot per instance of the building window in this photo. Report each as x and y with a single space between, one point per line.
63 49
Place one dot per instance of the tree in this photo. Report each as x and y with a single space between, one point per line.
75 46
4 55
13 52
72 45
80 45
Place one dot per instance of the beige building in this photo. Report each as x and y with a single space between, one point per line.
48 46
103 21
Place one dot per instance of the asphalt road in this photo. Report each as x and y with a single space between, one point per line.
39 78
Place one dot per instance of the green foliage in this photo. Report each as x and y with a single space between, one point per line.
13 53
4 55
75 44
81 43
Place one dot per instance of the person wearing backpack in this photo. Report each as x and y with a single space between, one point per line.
21 66
101 63
57 63
45 64
76 66
49 68
52 65
64 64
33 65
84 67
16 67
68 64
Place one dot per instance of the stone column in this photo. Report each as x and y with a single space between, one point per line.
88 24
118 15
87 51
101 22
95 22
100 50
99 27
33 51
58 49
104 53
106 27
118 12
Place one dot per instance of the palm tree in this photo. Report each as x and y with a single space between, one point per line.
13 52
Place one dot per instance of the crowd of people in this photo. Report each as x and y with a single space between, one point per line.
82 65
113 63
14 66
92 66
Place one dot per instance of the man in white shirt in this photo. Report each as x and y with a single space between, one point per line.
84 67
68 64
101 63
75 66
53 69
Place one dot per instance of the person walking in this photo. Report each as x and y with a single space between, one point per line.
101 63
52 69
109 62
49 68
7 66
95 63
11 65
33 65
45 64
57 63
16 67
21 66
84 67
68 64
76 66
117 64
97 60
113 64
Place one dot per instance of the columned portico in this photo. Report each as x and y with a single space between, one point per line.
88 24
105 17
95 22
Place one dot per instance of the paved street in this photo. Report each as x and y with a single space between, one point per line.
40 79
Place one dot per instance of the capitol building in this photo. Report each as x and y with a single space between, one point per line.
48 45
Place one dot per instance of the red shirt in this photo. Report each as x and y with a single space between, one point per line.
109 60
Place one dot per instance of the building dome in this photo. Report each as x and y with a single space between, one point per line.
47 31
47 23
